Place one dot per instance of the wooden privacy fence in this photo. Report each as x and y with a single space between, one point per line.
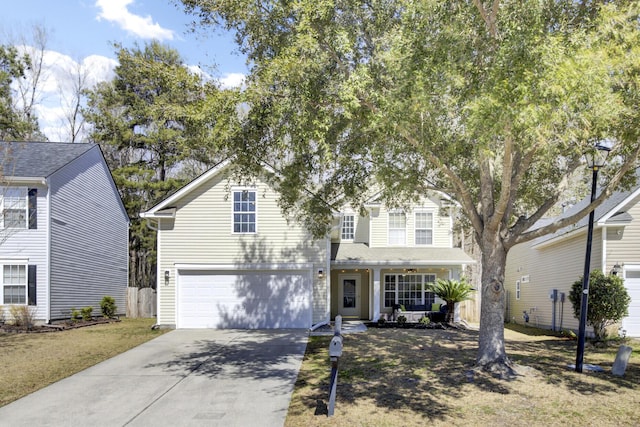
141 302
470 310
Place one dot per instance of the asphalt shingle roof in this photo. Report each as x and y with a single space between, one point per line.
37 159
605 208
359 253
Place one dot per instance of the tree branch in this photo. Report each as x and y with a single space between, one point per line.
604 195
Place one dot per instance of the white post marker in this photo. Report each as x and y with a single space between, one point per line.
335 352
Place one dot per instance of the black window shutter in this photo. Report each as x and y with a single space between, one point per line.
31 285
33 208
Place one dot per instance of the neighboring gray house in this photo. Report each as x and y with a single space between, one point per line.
63 229
548 266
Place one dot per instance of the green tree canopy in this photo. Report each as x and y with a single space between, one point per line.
492 102
13 127
608 301
154 121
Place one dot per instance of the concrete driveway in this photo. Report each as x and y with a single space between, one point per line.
182 378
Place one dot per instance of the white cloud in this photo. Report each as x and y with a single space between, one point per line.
227 81
232 80
116 11
58 83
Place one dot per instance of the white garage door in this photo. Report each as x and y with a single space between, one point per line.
632 323
246 300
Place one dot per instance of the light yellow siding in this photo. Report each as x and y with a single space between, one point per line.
623 243
442 225
550 267
202 233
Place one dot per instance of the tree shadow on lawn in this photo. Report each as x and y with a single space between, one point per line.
399 369
420 370
552 357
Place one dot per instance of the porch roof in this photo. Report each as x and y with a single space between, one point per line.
361 254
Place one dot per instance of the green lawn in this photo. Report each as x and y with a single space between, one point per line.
29 362
411 377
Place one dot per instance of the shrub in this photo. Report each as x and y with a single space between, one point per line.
382 321
75 314
86 313
108 306
608 301
23 315
402 320
3 317
452 292
425 320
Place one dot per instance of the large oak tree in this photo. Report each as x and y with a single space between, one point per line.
492 102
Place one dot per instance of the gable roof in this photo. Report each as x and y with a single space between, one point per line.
165 208
37 159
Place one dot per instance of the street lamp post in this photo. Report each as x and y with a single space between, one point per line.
595 160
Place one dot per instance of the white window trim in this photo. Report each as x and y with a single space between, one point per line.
3 192
240 189
415 227
353 227
396 290
389 228
21 262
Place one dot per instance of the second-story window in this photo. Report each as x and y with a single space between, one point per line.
424 228
397 228
13 207
348 227
244 211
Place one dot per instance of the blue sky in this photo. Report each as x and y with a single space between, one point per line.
80 37
80 28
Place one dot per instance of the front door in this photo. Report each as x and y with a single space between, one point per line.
349 305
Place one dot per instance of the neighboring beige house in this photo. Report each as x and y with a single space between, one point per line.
546 267
229 258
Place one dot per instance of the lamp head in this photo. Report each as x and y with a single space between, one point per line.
597 156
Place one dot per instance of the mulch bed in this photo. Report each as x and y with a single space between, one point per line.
407 325
54 327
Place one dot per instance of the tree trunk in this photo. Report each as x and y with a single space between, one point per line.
491 350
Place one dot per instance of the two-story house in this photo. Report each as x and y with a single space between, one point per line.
64 231
229 258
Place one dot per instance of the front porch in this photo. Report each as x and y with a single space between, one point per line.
372 293
365 283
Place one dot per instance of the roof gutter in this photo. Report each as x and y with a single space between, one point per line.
29 180
164 213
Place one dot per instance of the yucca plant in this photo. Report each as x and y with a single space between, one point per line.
451 291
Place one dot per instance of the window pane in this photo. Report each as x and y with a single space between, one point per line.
424 228
397 231
244 207
13 206
348 225
14 279
15 295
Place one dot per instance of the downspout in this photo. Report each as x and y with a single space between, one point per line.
604 249
48 256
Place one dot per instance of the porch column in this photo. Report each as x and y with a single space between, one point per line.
376 294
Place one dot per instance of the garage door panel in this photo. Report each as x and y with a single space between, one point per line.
251 300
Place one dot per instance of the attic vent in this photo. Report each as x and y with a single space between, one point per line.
525 279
